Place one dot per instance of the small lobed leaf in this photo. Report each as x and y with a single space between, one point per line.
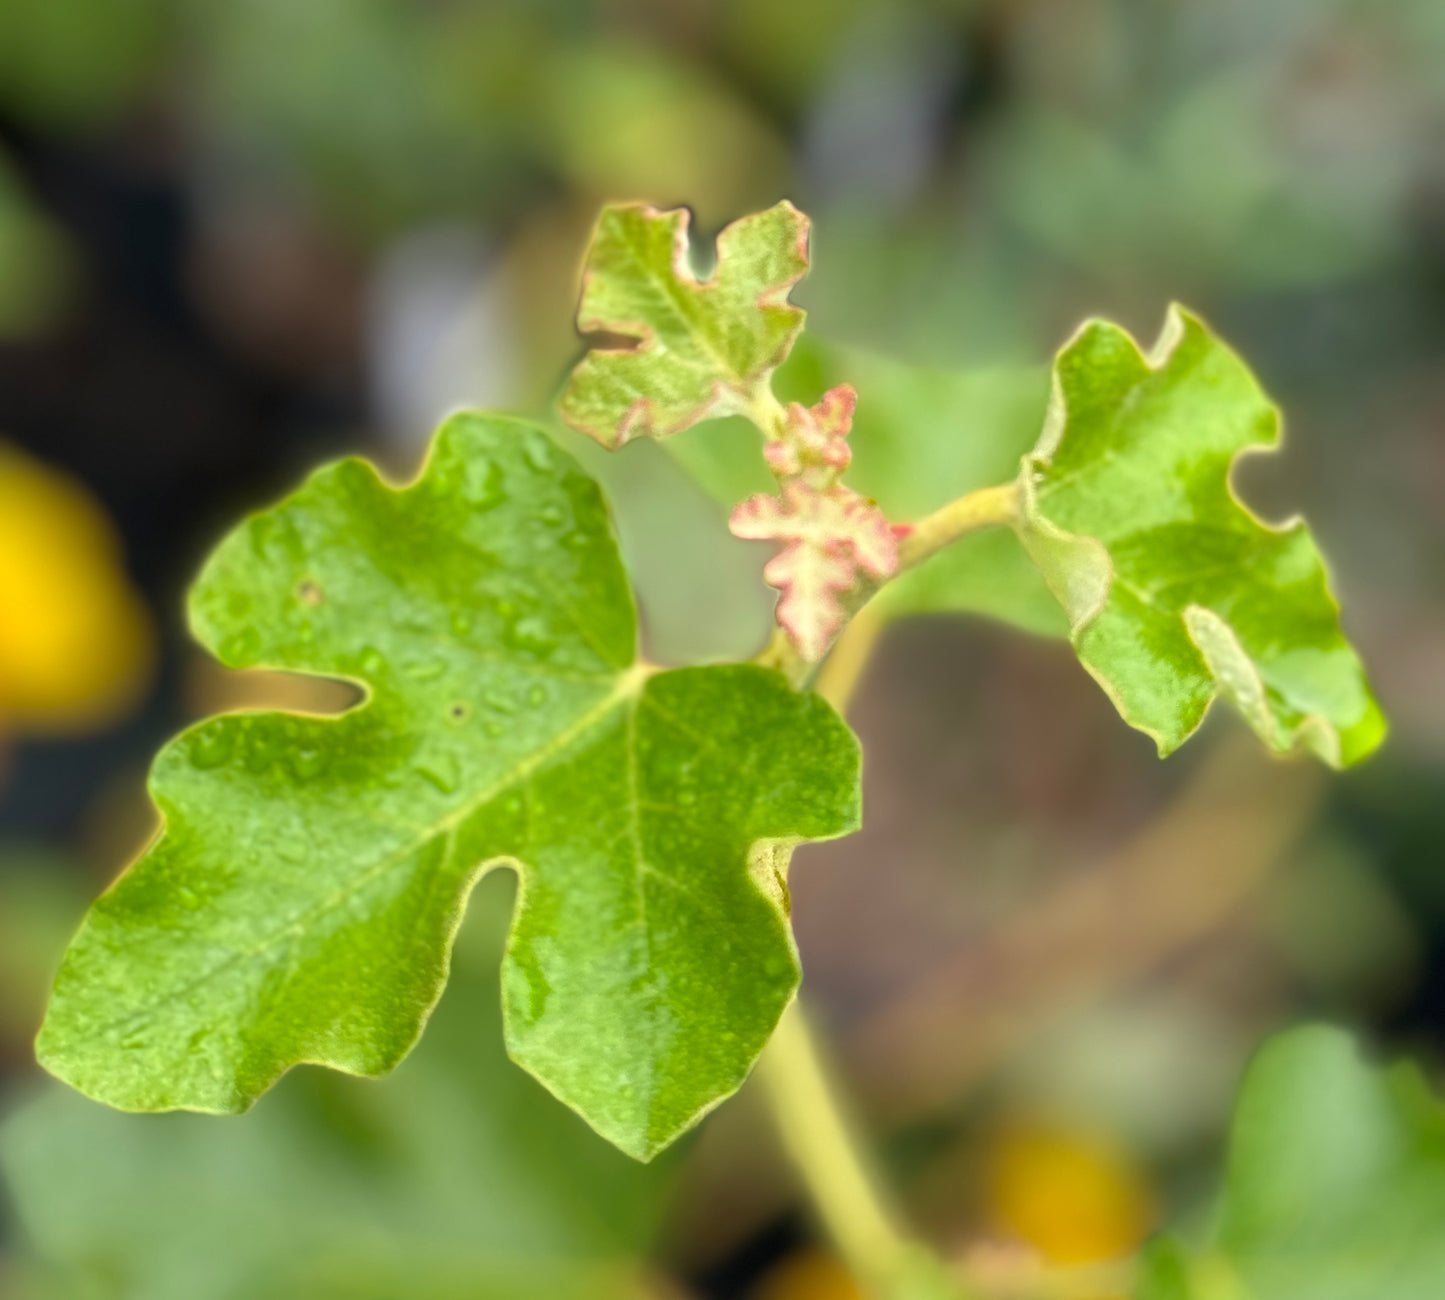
703 348
832 540
1335 1187
1175 592
301 904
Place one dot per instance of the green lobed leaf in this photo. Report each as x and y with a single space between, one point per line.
1176 593
302 901
1335 1187
456 1177
704 348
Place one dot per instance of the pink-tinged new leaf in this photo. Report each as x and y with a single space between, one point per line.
814 444
703 348
833 541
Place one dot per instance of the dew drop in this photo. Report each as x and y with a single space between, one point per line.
538 451
499 703
537 695
441 772
530 634
484 487
260 753
241 647
212 747
553 516
373 663
308 762
262 526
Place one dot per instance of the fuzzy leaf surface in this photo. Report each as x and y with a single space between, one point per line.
1335 1187
302 901
703 348
1176 593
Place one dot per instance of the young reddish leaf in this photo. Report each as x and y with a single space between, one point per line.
833 540
704 348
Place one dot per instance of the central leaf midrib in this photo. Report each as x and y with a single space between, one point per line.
627 688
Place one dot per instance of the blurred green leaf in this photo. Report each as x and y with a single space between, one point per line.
1174 591
41 902
1335 1188
75 62
457 1177
301 903
675 131
37 266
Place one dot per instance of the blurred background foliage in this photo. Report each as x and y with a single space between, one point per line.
239 238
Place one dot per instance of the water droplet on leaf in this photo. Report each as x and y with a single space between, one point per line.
308 762
212 747
538 451
241 647
441 772
530 634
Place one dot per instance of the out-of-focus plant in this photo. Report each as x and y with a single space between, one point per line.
302 902
37 270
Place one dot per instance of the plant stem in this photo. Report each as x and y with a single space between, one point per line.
986 508
822 1146
809 1118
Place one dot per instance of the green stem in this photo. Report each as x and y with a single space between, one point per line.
987 508
825 1151
807 1113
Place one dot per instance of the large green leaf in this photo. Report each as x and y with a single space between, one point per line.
1335 1189
703 349
921 437
301 904
457 1177
1176 593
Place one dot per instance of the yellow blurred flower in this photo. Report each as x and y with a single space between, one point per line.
1075 1197
76 644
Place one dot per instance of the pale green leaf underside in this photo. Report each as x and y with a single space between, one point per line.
1177 593
1335 1187
703 348
301 904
